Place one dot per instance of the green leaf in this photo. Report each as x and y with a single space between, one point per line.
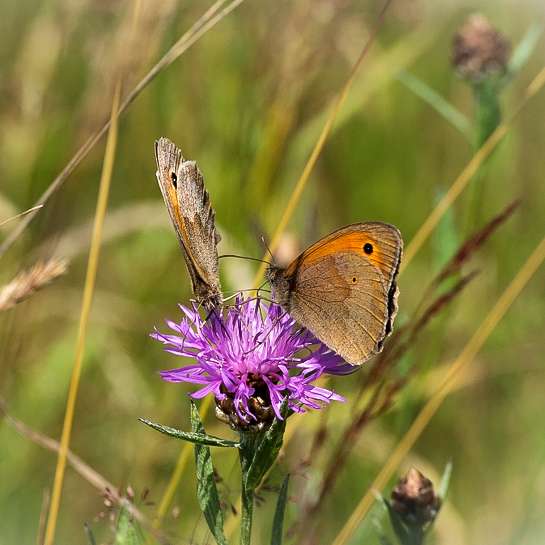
397 524
446 239
373 524
444 108
278 521
378 527
199 438
524 49
207 493
128 531
443 487
263 452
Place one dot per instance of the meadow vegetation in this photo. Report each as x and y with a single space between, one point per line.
248 97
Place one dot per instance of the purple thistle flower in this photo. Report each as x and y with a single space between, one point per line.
252 358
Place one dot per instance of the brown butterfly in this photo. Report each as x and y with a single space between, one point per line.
192 215
343 288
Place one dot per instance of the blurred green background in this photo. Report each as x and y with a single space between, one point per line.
247 102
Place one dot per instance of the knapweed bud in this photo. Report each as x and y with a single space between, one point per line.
259 407
414 499
479 50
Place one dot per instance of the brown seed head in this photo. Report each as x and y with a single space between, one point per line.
26 283
414 499
478 49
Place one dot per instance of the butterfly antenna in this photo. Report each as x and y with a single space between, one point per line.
233 294
266 246
244 257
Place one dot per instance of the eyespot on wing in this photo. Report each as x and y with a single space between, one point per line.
379 243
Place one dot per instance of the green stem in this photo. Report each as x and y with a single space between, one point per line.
246 452
487 118
416 536
488 112
247 497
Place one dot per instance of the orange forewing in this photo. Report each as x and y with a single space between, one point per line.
173 202
346 242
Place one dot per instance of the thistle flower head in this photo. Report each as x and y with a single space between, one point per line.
479 50
414 499
252 358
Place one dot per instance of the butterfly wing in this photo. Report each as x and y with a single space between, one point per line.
192 215
343 288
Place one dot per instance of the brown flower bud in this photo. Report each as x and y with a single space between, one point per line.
414 499
479 50
259 405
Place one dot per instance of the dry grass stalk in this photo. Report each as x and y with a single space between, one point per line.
475 242
464 253
20 215
439 303
89 288
28 282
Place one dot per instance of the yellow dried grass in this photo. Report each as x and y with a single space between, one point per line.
92 266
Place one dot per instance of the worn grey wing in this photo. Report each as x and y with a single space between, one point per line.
188 203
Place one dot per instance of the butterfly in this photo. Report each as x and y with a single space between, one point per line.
343 288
